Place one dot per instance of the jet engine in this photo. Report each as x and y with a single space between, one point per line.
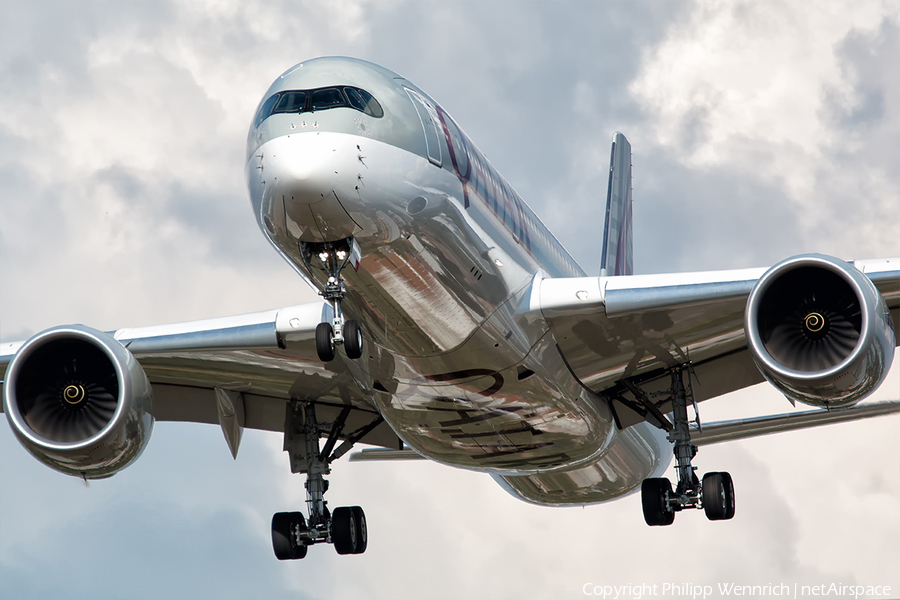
78 401
819 331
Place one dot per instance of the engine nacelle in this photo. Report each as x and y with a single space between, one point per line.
819 331
79 401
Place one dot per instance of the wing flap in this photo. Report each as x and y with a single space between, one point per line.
186 404
646 324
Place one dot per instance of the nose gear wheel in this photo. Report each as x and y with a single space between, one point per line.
332 257
325 342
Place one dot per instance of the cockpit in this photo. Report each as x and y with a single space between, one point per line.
299 101
373 103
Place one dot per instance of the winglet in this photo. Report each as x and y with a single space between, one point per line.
616 257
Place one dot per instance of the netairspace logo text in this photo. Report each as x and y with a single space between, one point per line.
726 590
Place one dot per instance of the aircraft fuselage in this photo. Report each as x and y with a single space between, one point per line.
450 256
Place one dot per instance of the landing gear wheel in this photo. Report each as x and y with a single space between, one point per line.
653 500
325 342
353 341
343 530
283 538
362 534
718 496
729 494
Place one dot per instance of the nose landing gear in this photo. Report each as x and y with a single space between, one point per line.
715 494
332 258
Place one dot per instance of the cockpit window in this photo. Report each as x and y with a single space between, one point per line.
363 100
298 101
291 102
266 109
327 98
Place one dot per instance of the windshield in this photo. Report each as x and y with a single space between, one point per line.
298 101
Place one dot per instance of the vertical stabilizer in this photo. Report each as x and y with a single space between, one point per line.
616 257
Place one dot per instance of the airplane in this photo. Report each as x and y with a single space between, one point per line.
455 327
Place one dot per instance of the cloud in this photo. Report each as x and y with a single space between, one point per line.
768 92
760 130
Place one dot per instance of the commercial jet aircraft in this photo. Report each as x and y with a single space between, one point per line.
454 327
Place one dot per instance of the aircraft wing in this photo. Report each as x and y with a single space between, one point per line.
615 333
619 335
242 371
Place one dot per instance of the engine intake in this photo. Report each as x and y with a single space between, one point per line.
819 331
78 401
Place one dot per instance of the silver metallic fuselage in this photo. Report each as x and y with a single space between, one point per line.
455 361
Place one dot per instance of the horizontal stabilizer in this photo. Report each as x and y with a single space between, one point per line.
726 431
378 454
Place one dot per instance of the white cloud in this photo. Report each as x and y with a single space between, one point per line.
796 100
751 70
123 204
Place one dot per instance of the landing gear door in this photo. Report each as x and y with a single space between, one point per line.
429 118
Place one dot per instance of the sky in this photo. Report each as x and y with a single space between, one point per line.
759 130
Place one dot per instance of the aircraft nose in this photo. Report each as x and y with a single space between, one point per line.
302 168
302 174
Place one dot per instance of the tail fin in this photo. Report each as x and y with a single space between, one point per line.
616 258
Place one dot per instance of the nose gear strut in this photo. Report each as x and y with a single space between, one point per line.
715 494
332 257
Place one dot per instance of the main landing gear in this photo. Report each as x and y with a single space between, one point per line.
292 534
333 257
715 494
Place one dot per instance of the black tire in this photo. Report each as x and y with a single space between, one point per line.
325 342
653 501
729 494
282 540
362 532
343 530
718 496
353 341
